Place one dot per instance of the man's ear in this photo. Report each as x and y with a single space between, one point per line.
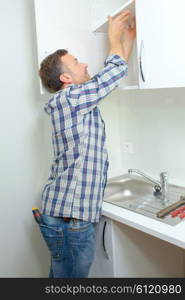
65 78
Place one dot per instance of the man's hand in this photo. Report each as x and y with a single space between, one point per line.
116 26
129 35
122 32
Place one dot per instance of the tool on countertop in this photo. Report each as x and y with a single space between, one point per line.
165 211
177 211
182 215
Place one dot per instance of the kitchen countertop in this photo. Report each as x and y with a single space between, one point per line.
172 234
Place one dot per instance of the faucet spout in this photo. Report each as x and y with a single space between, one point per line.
130 171
160 187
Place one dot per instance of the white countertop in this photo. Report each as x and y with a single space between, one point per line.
173 234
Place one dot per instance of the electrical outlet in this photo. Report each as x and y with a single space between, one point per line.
128 147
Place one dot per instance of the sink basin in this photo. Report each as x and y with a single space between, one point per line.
127 189
135 193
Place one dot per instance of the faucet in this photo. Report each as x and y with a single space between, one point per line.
164 185
160 187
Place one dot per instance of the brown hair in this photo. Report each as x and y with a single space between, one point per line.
50 70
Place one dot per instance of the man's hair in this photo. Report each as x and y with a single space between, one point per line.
50 70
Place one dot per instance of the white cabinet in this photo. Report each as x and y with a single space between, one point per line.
122 251
103 261
158 59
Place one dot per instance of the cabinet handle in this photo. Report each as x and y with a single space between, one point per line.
140 61
104 248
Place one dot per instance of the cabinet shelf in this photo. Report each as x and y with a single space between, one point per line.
103 25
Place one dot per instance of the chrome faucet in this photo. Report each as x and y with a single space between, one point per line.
160 187
164 185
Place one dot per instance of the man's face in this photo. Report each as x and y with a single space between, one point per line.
77 73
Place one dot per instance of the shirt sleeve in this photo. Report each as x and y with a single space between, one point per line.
87 95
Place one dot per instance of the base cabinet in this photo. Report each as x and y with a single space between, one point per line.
122 251
103 261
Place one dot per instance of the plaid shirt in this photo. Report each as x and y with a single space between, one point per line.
78 174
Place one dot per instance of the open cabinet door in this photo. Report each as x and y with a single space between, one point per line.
161 43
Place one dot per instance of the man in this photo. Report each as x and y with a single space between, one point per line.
72 197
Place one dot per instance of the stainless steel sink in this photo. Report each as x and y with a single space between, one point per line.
134 193
127 189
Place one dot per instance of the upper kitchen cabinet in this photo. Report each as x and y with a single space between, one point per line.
68 25
158 59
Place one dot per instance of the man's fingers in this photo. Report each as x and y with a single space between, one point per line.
133 22
109 18
123 15
124 19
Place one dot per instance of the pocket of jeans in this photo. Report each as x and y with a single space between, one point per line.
79 225
53 238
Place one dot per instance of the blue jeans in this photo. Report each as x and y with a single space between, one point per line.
71 245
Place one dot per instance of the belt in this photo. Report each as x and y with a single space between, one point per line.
67 219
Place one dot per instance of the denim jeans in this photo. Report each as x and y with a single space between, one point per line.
71 245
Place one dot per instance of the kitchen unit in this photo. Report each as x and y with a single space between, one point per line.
138 246
147 245
153 64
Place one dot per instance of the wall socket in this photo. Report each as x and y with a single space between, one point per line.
128 147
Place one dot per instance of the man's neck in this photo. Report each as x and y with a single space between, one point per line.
65 85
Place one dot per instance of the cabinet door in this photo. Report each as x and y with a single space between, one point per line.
103 262
161 43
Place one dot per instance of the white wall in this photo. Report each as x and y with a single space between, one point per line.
154 121
24 143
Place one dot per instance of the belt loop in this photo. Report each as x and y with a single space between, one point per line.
66 219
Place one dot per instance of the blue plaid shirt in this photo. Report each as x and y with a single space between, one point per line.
78 174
